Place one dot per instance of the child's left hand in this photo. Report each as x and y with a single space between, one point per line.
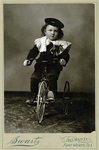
27 63
62 62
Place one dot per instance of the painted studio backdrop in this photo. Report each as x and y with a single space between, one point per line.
22 25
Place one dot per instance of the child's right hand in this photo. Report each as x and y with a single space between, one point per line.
27 62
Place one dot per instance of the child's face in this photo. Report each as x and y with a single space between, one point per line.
51 32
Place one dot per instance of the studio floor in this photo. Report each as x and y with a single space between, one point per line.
19 118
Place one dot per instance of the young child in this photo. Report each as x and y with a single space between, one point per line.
48 47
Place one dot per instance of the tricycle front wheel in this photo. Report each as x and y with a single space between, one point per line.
41 99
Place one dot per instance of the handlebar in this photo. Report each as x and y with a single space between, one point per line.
49 61
45 62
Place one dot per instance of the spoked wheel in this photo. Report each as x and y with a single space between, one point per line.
41 99
66 97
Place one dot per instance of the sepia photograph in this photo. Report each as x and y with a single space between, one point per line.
49 75
56 48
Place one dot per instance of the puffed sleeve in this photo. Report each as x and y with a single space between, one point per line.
33 53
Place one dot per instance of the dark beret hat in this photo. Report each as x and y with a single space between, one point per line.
54 22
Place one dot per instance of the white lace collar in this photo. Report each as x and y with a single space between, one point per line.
42 42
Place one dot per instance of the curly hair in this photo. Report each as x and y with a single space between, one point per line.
60 32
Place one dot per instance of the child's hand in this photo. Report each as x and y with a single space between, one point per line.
26 63
62 62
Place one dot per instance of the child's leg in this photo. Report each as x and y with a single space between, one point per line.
35 79
53 77
53 83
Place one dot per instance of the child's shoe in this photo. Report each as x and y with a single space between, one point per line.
51 97
32 102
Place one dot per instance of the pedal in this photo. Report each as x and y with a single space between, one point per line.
51 100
